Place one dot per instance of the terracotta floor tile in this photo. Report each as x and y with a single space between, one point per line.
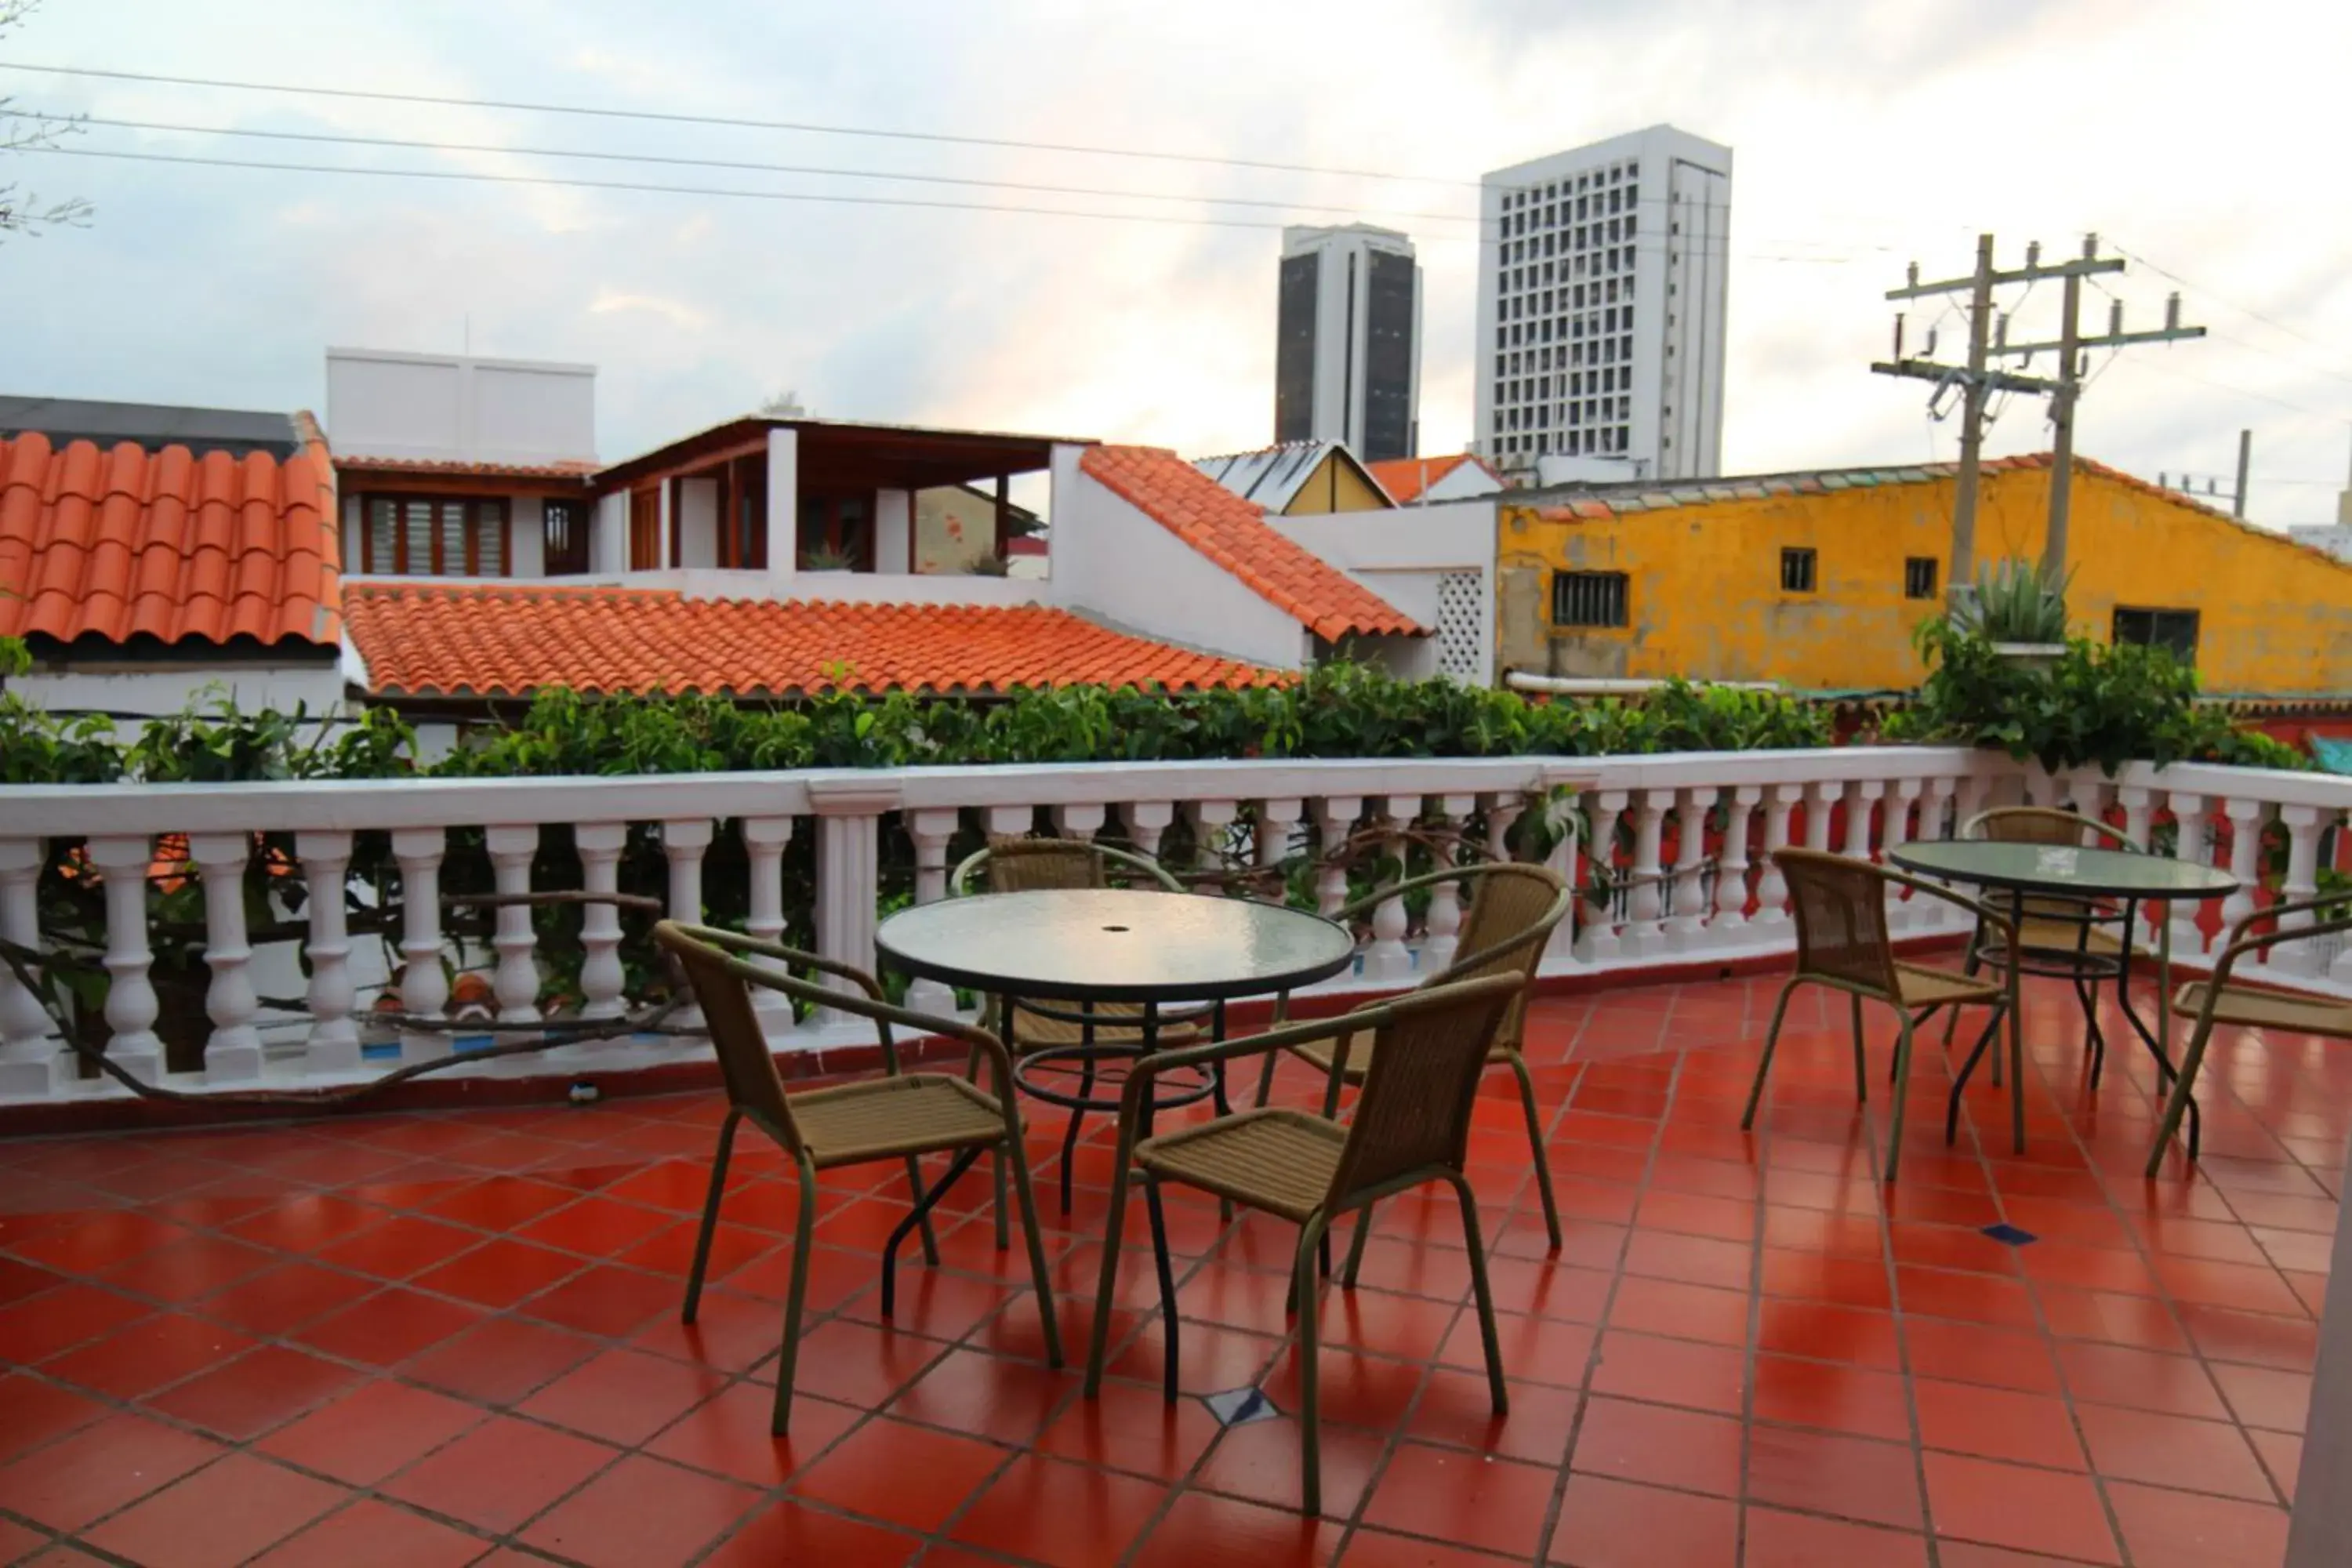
2140 1380
1455 1408
2172 1451
371 1534
304 1224
96 1240
1660 1445
2177 1530
243 1397
1260 1461
388 1327
33 1411
1612 1524
1839 1398
1777 1540
985 1395
1669 1372
500 1474
1821 1472
500 1362
148 1355
1063 1515
623 1396
2024 1509
1681 1311
2255 1339
730 1436
366 1435
641 1513
501 1272
2276 1401
225 1514
281 1300
907 1476
18 1543
40 1326
2281 1456
1820 1331
192 1267
1997 1424
1130 1428
2139 1322
1496 1505
398 1248
501 1202
791 1533
1972 1353
96 1470
1203 1530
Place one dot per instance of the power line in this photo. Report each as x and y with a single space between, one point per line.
674 118
738 165
2229 304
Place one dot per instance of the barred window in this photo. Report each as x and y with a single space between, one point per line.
1588 598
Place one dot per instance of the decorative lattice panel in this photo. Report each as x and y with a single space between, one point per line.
1462 624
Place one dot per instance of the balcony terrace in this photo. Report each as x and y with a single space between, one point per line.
450 1333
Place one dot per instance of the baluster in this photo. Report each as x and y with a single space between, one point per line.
1938 819
930 830
601 976
1772 887
1563 947
1602 941
2138 801
2188 813
849 870
1902 910
684 842
1010 820
131 1005
1820 810
2090 796
1502 811
1731 873
334 1042
1277 819
1079 822
764 838
1688 922
1146 821
1213 822
1387 957
424 989
515 983
1971 798
1444 923
2245 849
1337 817
1644 932
232 1051
29 1063
2301 882
1861 805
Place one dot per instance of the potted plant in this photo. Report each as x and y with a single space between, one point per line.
2020 609
991 565
825 558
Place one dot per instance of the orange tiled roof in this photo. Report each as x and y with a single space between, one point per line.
1234 533
570 469
1405 478
426 639
127 542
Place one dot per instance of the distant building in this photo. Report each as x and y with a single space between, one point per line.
1303 479
1424 481
1347 340
1601 288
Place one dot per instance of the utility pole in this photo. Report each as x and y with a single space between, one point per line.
1976 381
2245 463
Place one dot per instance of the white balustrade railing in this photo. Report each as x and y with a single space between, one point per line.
1716 895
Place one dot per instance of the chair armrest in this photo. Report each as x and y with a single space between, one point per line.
2243 939
1977 907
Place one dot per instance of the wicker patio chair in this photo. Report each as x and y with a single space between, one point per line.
2080 940
1841 943
1412 1126
1014 864
898 1116
1513 910
2217 1001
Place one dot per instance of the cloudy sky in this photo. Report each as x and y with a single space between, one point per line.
2197 136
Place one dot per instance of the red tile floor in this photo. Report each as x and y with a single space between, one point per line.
453 1338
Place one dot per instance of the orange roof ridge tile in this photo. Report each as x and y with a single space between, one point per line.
1234 533
421 638
127 542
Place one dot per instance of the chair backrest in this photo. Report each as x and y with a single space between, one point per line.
1429 1053
1841 907
2045 825
722 979
1016 864
1514 908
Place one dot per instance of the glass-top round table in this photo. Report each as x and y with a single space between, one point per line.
2078 874
1066 951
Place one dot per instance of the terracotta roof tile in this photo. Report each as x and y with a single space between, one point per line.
426 639
1234 534
128 543
1405 478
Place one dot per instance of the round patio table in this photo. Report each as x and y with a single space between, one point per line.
2023 870
1088 945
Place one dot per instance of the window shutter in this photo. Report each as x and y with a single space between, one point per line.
490 524
416 538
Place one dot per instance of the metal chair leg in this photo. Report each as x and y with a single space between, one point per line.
710 1215
1161 1266
796 1300
1355 1247
1039 1273
2088 995
1535 1147
1902 1093
1310 1446
2182 1098
1265 1080
920 1217
1968 1066
1106 1286
915 1195
1969 967
1070 1136
1487 1339
1772 1043
1861 1072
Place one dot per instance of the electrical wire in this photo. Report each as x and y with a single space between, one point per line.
445 100
2229 304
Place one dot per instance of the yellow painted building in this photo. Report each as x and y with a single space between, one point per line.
1819 581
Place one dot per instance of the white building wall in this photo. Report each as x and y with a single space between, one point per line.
152 693
1434 563
527 536
1679 279
894 525
783 510
456 408
608 548
697 522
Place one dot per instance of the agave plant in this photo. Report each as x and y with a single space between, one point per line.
2014 601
